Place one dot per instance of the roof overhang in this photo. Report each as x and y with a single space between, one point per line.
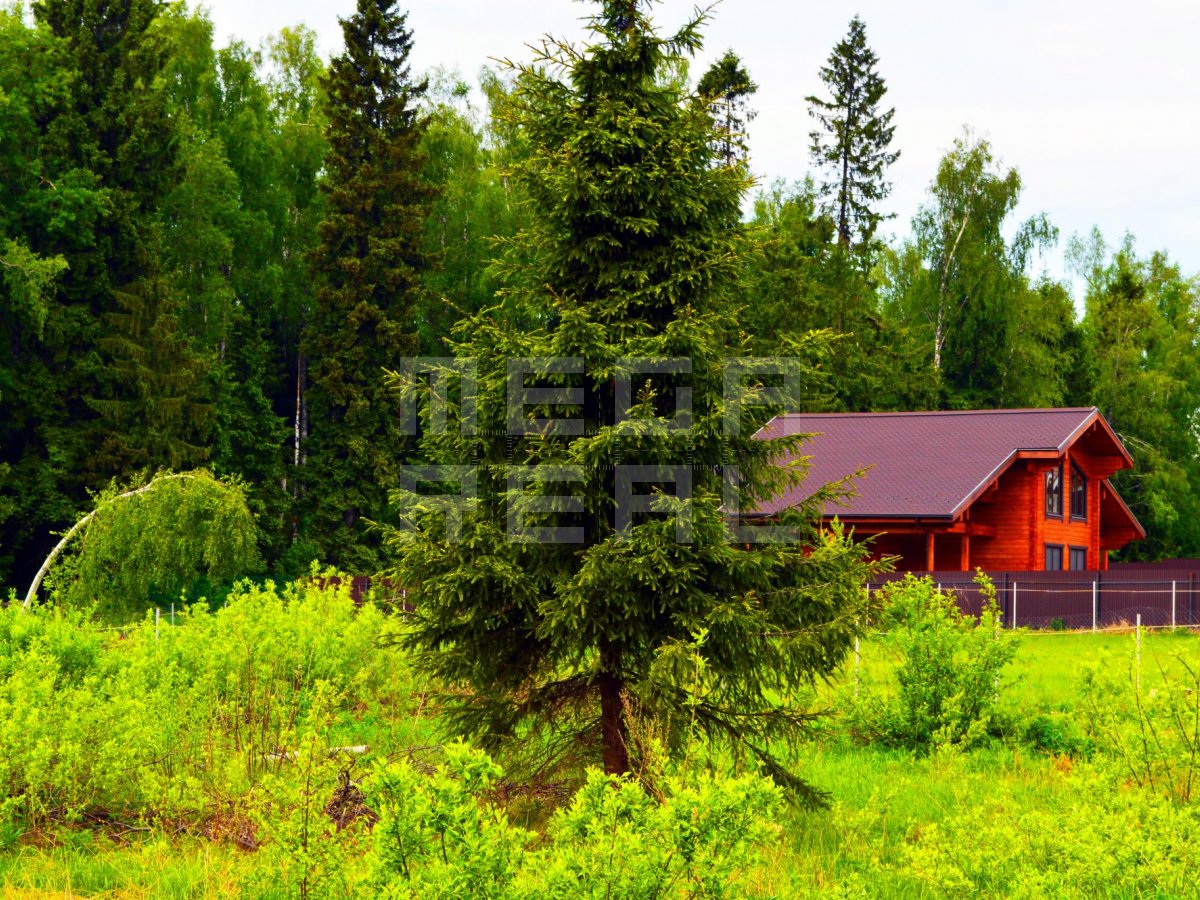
1093 420
1118 524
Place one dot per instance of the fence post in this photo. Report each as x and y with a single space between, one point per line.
1172 605
157 611
1014 621
1095 602
1139 652
172 612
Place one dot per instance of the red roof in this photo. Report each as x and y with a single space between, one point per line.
923 464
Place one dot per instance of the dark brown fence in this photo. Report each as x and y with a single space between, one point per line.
1163 594
361 585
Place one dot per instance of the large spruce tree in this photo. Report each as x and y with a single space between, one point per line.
850 144
634 625
368 265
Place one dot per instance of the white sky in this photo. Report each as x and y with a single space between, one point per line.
1097 103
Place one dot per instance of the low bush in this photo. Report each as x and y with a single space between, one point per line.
440 834
1150 736
947 672
1105 840
174 723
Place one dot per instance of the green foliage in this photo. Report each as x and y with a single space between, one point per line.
556 650
798 279
1104 841
852 138
1056 733
154 412
441 835
305 845
227 725
1151 735
177 722
369 266
963 281
727 88
948 670
27 279
159 537
697 840
1141 326
476 205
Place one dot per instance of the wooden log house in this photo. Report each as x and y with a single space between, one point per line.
1011 489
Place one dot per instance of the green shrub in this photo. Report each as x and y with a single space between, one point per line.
1056 733
1151 736
97 726
947 673
1103 840
440 834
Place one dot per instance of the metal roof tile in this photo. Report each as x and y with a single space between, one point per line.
922 464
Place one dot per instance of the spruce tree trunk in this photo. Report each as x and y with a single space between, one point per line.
612 714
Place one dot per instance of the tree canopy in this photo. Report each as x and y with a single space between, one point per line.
550 598
851 144
210 253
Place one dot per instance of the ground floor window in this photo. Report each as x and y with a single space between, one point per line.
1054 557
1078 560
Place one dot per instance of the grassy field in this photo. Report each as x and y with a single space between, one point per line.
1046 671
897 826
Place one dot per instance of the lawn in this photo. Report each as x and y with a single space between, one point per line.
1003 818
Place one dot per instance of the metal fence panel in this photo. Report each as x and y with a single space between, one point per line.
1164 597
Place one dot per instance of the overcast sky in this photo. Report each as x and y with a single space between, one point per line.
1095 102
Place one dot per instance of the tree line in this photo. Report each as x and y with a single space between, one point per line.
209 256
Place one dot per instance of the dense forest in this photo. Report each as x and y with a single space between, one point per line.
209 256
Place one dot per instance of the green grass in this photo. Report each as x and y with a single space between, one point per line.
1049 664
93 865
884 801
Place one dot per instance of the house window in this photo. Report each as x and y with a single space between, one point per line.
1078 494
1078 559
1054 492
1054 557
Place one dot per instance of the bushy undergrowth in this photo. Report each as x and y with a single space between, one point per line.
441 835
1151 735
238 729
947 673
1105 840
96 725
230 726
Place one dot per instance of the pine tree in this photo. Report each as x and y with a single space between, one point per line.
851 142
155 413
629 626
369 266
728 88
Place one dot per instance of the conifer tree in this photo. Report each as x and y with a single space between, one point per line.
727 87
155 412
368 265
84 110
850 144
623 624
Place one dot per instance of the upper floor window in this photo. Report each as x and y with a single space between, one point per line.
1078 493
1054 491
